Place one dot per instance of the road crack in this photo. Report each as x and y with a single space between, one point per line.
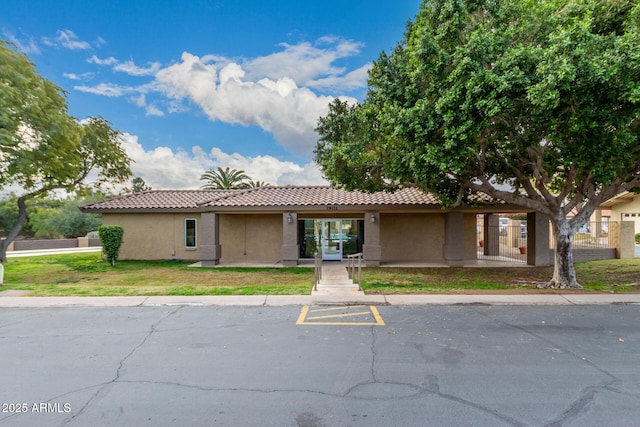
429 386
587 395
103 387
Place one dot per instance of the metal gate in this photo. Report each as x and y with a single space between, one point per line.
506 242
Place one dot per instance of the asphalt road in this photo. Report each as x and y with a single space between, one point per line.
320 366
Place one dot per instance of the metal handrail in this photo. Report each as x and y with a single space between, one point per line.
351 266
317 270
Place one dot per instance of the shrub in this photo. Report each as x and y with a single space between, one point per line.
111 240
638 238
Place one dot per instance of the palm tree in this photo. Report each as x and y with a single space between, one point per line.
256 184
224 179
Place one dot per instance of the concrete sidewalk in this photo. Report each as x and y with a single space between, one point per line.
299 300
38 252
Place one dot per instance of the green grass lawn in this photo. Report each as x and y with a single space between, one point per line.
615 275
87 275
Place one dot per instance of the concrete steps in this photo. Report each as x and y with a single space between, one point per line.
335 281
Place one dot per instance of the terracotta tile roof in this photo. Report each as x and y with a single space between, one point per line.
265 197
319 196
158 199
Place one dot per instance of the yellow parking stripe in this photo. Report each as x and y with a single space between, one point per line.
333 316
316 310
305 319
377 316
303 315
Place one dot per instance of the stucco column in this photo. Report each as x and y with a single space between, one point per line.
210 249
371 249
491 234
626 245
538 251
290 249
596 216
453 250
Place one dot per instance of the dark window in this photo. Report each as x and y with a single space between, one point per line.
190 233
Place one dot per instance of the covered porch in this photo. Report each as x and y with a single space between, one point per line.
384 237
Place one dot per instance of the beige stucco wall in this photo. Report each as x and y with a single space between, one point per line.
412 236
628 212
259 237
153 236
251 237
470 233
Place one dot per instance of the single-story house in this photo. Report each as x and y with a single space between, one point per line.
624 207
288 224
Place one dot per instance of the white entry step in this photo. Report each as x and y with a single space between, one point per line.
335 280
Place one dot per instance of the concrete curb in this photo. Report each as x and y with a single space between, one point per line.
299 300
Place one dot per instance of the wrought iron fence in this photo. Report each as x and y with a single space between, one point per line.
591 235
502 242
509 242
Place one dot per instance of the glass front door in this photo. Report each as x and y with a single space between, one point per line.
331 239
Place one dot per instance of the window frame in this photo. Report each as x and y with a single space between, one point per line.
195 233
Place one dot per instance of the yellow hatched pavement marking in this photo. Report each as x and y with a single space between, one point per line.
321 319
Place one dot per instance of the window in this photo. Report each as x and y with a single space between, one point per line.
190 240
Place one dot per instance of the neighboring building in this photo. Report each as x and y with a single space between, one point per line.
287 224
624 207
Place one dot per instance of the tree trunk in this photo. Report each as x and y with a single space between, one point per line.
564 272
17 227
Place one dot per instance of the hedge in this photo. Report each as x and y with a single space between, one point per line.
111 240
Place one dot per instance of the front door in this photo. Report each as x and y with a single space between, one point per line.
331 239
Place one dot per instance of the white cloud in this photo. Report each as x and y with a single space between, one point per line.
353 80
74 76
273 92
128 67
107 61
29 46
304 62
140 101
310 174
162 168
280 107
68 40
133 70
107 89
152 110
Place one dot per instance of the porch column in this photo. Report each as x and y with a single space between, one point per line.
626 246
454 238
596 231
491 234
538 251
290 249
210 249
371 249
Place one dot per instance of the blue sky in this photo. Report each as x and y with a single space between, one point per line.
194 85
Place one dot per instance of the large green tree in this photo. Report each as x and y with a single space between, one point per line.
62 218
42 147
536 103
